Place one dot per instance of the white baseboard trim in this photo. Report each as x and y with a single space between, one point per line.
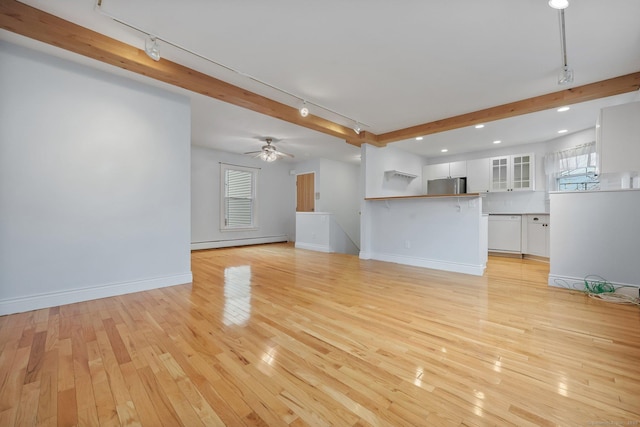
473 269
577 284
216 244
54 299
313 247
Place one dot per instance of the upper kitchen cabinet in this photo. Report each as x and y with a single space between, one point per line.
618 138
512 173
445 170
479 175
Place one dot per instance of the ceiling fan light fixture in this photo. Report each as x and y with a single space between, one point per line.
268 152
559 4
268 156
151 48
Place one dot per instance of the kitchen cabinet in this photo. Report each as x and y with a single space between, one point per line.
512 173
445 170
537 235
505 233
618 138
479 175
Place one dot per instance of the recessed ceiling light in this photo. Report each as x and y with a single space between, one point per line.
419 138
444 150
497 141
563 131
563 109
479 126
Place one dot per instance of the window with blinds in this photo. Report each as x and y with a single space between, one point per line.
239 202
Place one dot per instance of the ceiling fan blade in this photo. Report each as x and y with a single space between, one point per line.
281 154
253 152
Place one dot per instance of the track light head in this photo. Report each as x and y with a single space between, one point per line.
152 48
357 129
304 111
566 76
559 4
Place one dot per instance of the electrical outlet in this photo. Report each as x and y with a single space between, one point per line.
407 244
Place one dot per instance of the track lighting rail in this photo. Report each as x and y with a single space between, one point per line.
355 124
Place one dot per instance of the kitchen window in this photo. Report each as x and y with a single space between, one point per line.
238 204
573 169
580 179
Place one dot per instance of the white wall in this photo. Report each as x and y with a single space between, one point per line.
94 183
445 233
276 200
340 195
313 231
378 160
339 188
595 233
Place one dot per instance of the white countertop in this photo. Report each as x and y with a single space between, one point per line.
517 213
426 196
595 191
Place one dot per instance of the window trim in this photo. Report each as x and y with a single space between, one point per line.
224 167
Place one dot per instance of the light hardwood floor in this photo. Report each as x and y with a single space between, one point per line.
271 335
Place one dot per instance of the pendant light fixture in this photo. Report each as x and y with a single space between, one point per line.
566 73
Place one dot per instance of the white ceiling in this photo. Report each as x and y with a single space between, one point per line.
388 65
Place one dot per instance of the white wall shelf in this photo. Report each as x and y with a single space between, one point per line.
395 173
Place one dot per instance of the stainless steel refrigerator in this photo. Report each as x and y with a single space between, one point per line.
447 186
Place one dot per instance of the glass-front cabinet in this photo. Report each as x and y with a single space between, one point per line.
512 173
499 174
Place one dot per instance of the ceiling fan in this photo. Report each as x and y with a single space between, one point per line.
269 153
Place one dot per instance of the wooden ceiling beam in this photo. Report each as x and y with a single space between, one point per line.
39 25
589 92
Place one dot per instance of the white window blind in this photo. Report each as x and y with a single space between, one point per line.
239 204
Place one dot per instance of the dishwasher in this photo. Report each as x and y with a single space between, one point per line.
505 233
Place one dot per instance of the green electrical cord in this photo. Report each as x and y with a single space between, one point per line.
598 287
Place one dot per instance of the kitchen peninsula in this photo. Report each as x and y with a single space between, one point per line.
444 232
